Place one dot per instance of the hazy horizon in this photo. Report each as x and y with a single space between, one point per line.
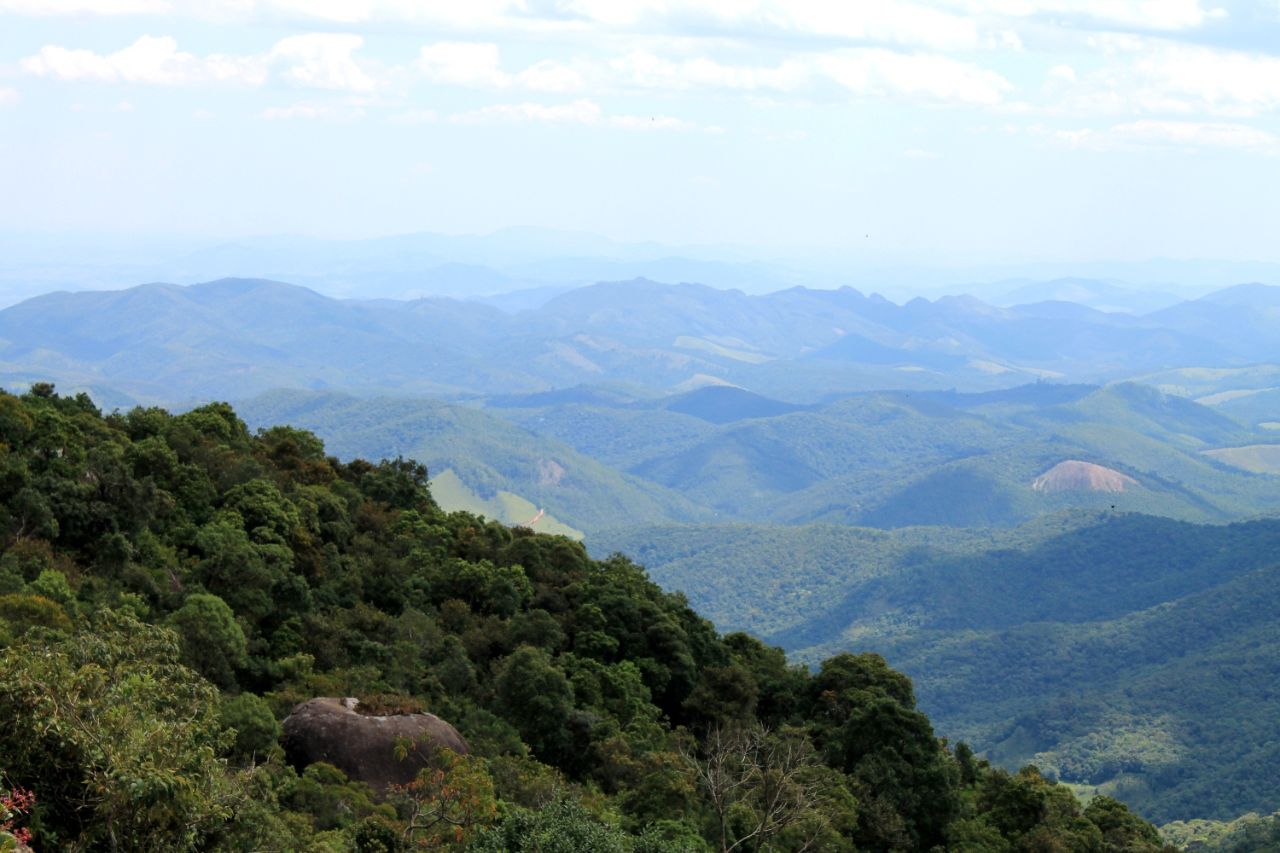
946 133
529 258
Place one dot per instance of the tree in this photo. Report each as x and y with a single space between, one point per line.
534 695
212 642
450 800
119 740
866 724
1122 830
255 727
561 826
761 785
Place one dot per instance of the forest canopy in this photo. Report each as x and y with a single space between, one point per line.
172 586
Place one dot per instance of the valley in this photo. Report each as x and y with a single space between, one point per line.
961 488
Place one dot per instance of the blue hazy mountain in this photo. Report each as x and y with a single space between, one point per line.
236 337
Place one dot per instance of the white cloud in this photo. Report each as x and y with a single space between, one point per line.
316 60
1168 15
941 24
313 111
1185 135
1148 75
479 65
323 61
1221 81
887 21
8 97
551 76
1063 72
583 111
875 71
1194 134
81 7
861 71
463 64
1005 40
150 59
644 70
471 14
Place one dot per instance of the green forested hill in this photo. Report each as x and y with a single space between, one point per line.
497 468
622 436
171 586
908 459
887 460
1134 654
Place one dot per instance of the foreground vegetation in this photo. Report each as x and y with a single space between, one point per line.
171 586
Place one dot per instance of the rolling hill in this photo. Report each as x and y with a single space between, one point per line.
478 462
906 459
1137 655
161 343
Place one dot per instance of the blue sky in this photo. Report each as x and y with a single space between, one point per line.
961 130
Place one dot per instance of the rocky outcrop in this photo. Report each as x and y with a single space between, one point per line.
1076 476
364 746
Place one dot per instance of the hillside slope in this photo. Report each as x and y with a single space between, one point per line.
899 459
1137 654
506 472
171 587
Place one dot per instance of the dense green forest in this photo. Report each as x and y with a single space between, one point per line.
485 455
1136 655
597 460
171 586
1251 833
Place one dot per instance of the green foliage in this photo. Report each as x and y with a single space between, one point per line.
255 727
562 826
212 642
1250 833
536 697
487 457
1134 654
155 560
20 612
331 800
119 741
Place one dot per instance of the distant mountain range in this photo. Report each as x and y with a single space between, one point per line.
238 337
535 262
494 266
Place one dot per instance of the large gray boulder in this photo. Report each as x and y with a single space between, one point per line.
364 746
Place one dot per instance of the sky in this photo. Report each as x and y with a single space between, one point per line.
957 130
